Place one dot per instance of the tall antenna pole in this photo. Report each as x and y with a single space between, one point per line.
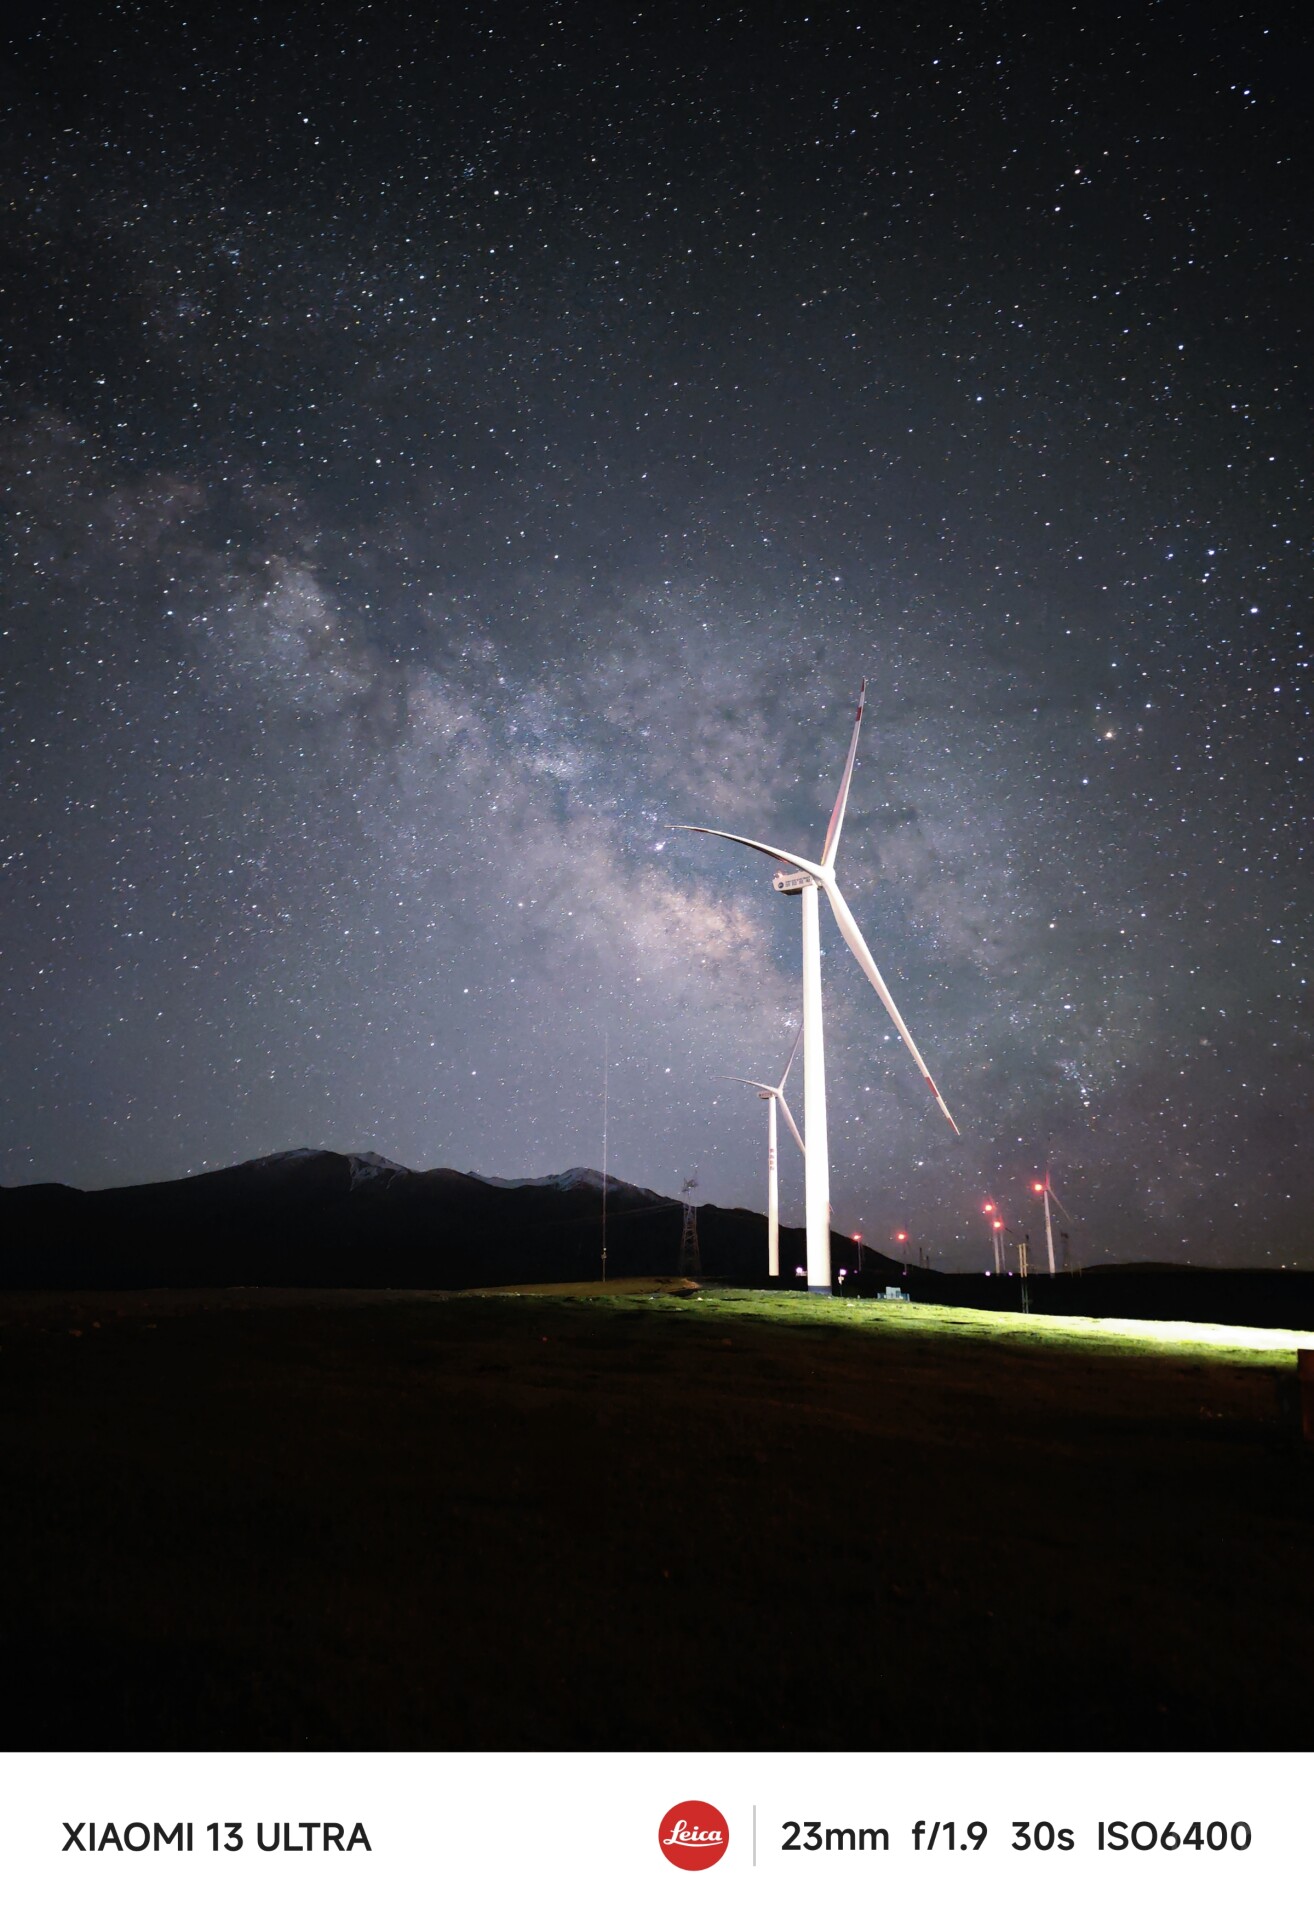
606 1061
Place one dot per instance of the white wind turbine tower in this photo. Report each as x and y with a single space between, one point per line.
1046 1186
808 878
774 1097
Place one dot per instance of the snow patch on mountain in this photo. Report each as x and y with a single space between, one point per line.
565 1182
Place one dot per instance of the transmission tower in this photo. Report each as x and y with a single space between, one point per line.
690 1261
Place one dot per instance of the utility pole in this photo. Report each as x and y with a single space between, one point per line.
690 1260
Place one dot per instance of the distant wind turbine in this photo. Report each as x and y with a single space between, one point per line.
774 1097
1046 1186
807 877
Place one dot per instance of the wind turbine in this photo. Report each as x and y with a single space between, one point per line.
1046 1187
775 1097
808 878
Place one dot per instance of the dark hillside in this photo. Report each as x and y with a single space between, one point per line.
309 1218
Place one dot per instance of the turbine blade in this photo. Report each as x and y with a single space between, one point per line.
758 846
848 926
836 826
1059 1204
739 1081
789 1063
789 1122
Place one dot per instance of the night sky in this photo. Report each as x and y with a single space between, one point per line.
443 446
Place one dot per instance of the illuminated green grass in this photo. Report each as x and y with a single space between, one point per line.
1266 1347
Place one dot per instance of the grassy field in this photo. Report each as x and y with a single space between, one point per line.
612 1520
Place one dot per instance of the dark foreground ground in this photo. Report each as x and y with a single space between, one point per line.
388 1521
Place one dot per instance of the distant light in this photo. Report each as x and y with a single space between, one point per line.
1038 1186
901 1236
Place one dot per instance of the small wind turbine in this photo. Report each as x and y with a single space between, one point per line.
808 877
775 1097
997 1231
1046 1186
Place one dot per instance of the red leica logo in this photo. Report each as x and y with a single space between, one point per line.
693 1835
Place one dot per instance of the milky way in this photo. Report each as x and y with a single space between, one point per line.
440 452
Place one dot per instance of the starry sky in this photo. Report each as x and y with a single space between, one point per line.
443 446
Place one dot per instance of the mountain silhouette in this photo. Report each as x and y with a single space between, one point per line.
308 1217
